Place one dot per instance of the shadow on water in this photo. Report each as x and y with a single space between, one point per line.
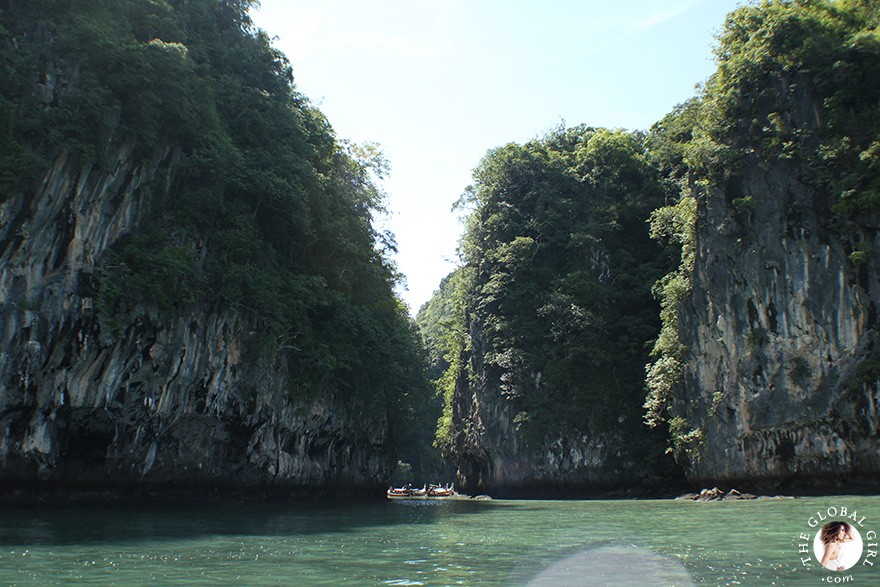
89 525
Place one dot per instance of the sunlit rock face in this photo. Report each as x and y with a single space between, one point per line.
780 331
174 402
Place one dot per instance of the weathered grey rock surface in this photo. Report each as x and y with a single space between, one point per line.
150 402
780 330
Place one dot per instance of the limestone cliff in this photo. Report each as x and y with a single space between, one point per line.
780 331
180 401
779 325
551 313
193 291
493 455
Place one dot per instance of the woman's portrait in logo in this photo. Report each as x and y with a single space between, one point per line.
837 546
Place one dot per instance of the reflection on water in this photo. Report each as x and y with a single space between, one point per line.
614 565
424 543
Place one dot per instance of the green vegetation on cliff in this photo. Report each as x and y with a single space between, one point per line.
556 285
797 87
268 215
553 288
442 322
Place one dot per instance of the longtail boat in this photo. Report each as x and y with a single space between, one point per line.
427 492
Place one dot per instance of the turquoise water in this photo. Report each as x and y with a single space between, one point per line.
428 543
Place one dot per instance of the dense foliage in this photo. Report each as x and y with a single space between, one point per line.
555 267
270 216
797 85
442 322
555 287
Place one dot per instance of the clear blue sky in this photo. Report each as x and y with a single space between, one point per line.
438 83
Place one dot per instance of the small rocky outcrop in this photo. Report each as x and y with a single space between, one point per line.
716 494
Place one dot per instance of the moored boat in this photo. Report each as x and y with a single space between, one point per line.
435 492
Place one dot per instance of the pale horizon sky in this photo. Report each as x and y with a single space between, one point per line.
437 84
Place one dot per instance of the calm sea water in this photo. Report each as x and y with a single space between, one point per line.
429 543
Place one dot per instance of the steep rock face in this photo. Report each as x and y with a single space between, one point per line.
776 329
546 344
148 402
493 457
